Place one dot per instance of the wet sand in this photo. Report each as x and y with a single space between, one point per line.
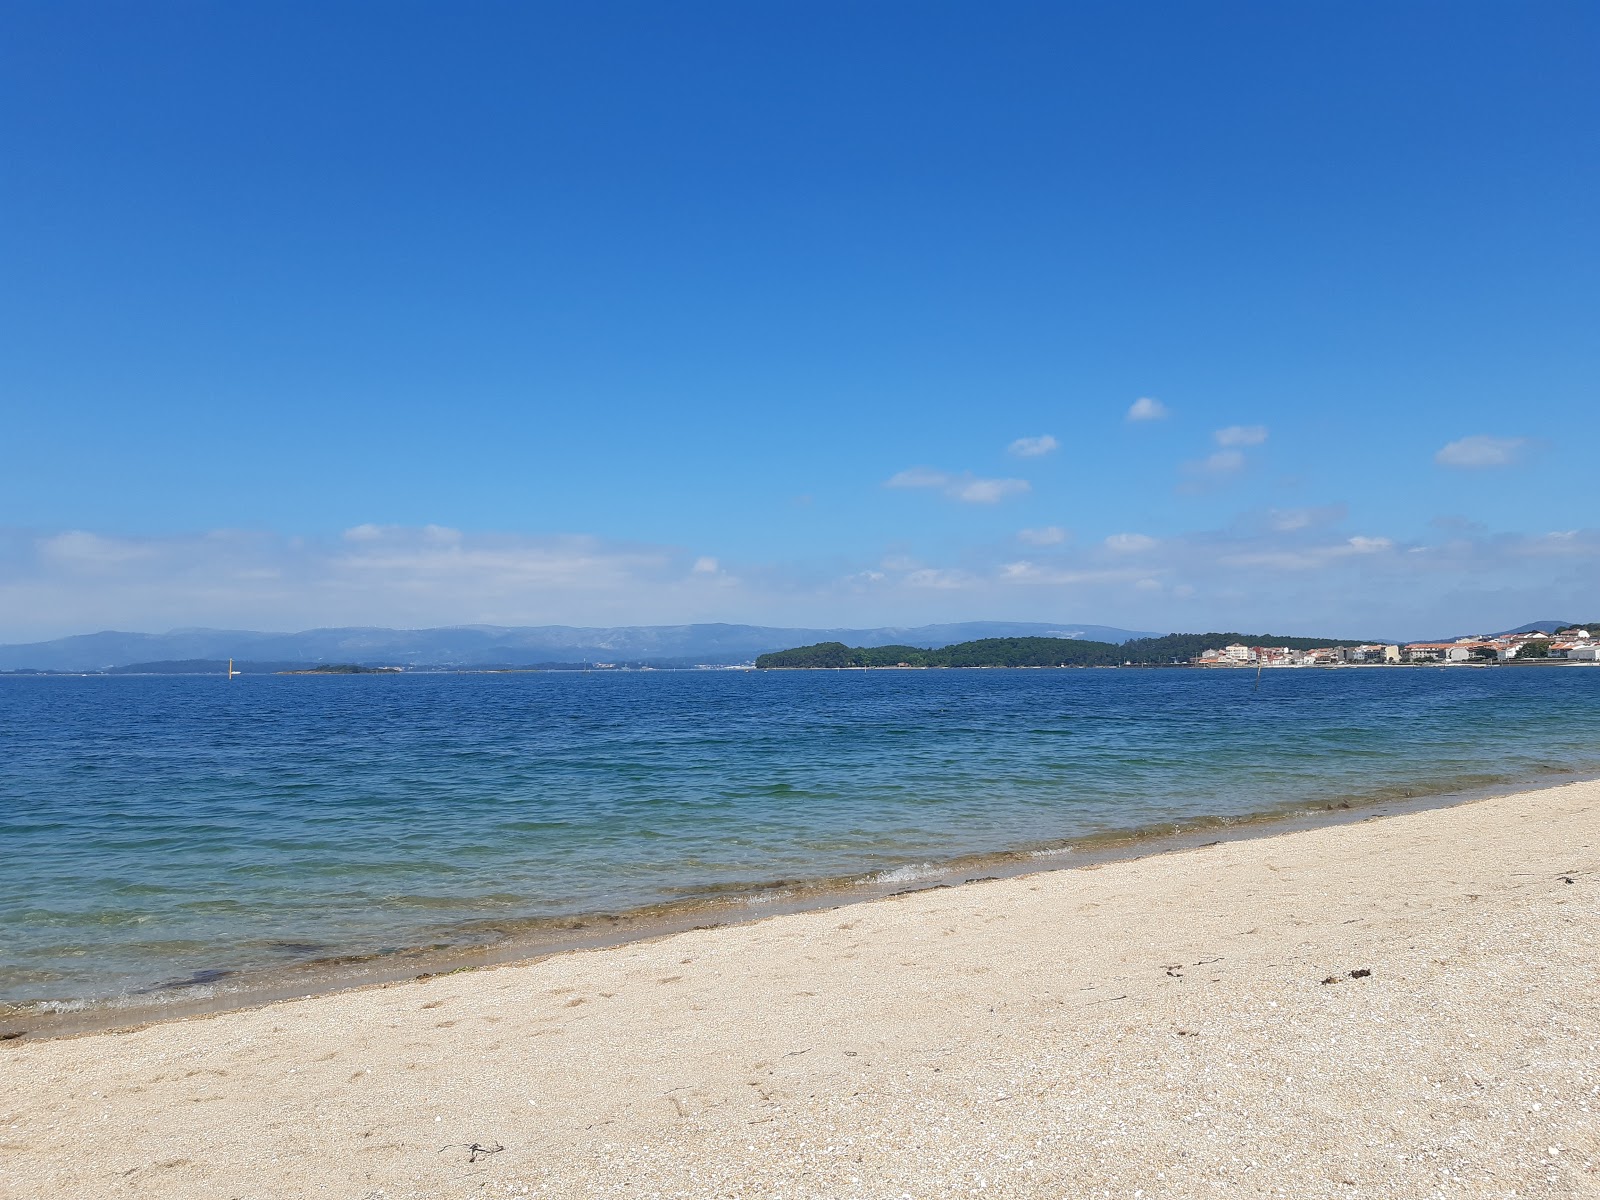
1406 1006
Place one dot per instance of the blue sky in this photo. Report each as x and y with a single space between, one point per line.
635 313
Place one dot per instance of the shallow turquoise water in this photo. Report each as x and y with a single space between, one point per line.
157 829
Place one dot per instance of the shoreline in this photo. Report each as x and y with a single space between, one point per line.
751 667
528 940
1404 1007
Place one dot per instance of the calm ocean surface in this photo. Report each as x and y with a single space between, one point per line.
165 829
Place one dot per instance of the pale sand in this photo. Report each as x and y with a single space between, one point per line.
1158 1028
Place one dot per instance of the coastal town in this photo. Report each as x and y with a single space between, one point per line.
1575 644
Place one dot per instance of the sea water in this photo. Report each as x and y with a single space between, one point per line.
158 833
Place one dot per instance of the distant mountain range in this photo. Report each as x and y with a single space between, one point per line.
1532 627
494 645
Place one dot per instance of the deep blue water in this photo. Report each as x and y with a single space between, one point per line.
155 828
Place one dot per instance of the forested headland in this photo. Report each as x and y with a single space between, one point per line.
1175 649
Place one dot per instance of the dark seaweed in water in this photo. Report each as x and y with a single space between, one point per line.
197 979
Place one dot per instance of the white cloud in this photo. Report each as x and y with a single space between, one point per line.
965 487
1048 535
1480 450
1130 543
1146 408
1211 470
987 491
1241 435
1369 545
704 565
1033 447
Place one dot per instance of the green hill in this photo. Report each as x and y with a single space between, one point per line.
1173 649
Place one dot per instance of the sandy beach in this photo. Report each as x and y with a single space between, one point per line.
1403 1007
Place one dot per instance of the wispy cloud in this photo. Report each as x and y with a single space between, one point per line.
1033 447
1216 467
918 477
965 487
1130 543
1287 520
988 491
1147 408
1048 535
81 550
1368 545
436 535
1481 450
1366 584
1241 435
943 580
1024 571
371 574
1297 576
1561 543
1223 462
1306 558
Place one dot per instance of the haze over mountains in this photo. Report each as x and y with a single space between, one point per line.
492 645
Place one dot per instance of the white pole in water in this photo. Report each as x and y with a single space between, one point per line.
230 670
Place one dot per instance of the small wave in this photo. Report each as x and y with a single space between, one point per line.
1050 852
769 897
910 873
74 1004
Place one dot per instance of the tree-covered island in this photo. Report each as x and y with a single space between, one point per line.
343 669
1172 650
